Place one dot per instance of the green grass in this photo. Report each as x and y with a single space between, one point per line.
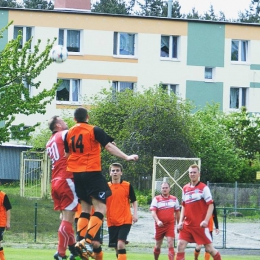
44 254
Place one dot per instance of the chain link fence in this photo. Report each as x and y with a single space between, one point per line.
173 170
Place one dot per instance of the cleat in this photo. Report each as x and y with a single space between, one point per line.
84 249
74 257
58 257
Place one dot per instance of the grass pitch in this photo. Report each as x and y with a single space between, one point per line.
44 254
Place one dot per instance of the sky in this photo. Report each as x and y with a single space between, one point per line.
230 8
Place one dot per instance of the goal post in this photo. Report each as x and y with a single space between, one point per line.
173 170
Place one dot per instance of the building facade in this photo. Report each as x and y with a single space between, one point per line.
203 61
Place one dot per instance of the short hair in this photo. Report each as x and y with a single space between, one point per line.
81 114
52 122
116 164
165 182
195 166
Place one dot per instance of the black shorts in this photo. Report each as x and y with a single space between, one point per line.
91 184
118 233
2 230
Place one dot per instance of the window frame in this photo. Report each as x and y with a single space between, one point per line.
24 33
239 60
169 88
242 97
71 101
64 41
171 47
116 45
213 74
116 86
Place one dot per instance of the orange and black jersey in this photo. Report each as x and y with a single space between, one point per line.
5 205
118 204
83 143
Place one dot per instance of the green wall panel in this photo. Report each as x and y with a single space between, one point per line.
202 93
206 42
3 23
255 67
254 85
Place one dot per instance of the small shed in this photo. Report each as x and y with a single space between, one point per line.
10 159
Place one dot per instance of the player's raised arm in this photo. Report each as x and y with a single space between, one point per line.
111 148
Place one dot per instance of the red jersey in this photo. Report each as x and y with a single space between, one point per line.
55 150
196 200
165 207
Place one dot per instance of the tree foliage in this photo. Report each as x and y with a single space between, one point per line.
38 4
111 7
20 68
150 123
10 3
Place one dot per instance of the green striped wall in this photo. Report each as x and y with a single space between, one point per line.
202 93
206 43
3 23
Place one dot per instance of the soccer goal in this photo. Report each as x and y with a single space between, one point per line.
173 170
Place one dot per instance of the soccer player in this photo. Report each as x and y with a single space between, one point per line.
5 217
62 188
197 209
213 221
81 232
83 147
119 217
165 210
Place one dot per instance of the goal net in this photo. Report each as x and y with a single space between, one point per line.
173 170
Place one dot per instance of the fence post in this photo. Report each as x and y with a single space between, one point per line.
236 198
225 229
35 222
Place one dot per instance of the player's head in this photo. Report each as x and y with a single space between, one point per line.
115 171
81 115
165 188
194 172
57 124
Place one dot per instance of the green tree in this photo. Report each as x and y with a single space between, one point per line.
111 7
9 3
151 8
194 14
38 4
210 15
251 15
176 10
212 143
20 68
149 123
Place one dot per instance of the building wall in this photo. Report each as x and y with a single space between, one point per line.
202 44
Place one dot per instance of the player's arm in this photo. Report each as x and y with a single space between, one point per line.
181 220
134 202
215 218
177 216
156 219
66 146
106 141
205 222
8 207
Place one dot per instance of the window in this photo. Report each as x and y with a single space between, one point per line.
68 91
70 39
209 74
239 50
169 47
237 97
28 87
170 88
124 44
26 34
119 86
